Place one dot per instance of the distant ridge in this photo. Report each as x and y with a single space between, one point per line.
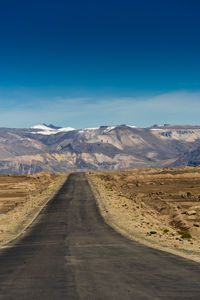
54 148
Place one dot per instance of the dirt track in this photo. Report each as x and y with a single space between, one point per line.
70 253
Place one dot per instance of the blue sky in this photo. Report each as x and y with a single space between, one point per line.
89 63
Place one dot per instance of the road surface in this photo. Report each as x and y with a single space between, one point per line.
70 253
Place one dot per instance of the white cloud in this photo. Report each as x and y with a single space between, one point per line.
175 108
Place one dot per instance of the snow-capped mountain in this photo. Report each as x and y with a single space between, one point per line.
53 148
50 129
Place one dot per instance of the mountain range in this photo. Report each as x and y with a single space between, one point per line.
58 149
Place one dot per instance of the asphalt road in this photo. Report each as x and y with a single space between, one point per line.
70 253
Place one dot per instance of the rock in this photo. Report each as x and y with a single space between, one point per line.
176 245
153 232
196 225
189 194
191 213
173 233
179 239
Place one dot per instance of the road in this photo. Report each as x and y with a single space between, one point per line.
70 253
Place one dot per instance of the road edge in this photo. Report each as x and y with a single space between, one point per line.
109 220
34 214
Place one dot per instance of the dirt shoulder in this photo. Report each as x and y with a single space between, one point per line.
22 197
157 207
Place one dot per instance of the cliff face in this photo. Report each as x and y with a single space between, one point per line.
26 151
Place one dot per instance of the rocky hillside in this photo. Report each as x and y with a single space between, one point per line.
189 158
51 148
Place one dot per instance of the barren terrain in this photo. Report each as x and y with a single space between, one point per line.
69 252
158 207
22 198
105 148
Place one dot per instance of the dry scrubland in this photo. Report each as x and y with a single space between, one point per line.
22 198
158 207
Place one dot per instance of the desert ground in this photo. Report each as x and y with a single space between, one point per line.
157 207
21 199
69 252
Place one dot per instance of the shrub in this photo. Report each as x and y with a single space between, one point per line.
184 234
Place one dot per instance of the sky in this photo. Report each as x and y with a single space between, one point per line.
90 63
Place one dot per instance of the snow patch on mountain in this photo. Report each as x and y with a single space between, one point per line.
51 129
92 128
45 130
42 127
156 129
109 128
65 129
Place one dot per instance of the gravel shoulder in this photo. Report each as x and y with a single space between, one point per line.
127 218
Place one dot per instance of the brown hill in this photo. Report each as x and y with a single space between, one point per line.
27 151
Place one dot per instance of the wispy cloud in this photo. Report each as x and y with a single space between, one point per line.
175 108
